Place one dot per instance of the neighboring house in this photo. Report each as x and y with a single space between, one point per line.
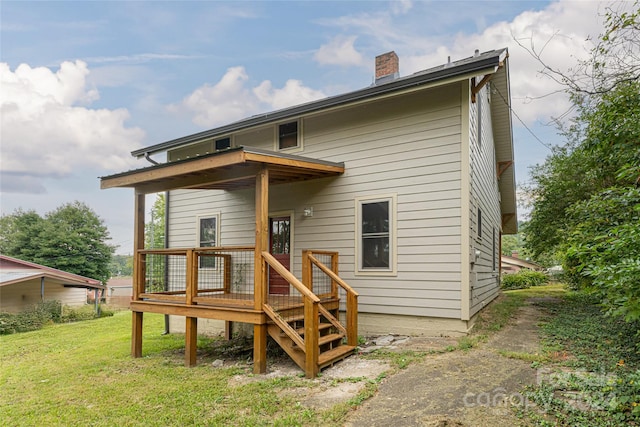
410 181
513 264
24 284
119 291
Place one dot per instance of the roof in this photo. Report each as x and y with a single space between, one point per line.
483 63
13 270
167 176
229 169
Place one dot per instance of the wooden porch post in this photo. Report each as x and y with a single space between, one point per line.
260 271
138 274
191 326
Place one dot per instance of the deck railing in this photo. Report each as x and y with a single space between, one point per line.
195 275
315 272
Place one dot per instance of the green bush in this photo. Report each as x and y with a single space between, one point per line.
523 279
32 319
75 314
39 315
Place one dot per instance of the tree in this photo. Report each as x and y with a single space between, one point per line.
121 265
155 229
585 196
154 238
613 60
71 238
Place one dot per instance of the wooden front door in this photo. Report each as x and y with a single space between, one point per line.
280 248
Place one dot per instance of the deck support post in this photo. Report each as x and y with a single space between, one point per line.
136 334
311 321
260 270
191 341
138 273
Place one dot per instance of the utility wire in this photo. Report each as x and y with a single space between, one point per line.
521 121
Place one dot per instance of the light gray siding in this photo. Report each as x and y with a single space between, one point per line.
408 146
484 197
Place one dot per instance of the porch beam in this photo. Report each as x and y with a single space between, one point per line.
209 179
260 271
295 163
172 170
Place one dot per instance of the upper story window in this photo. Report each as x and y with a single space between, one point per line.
223 143
288 135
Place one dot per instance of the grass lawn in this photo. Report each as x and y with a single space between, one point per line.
83 374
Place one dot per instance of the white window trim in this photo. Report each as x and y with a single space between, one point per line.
199 217
393 240
276 137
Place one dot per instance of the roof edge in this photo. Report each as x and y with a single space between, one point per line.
486 60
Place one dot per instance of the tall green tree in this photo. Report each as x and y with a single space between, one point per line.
155 229
70 238
155 238
586 200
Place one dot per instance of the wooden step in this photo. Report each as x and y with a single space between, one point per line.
335 354
321 327
329 338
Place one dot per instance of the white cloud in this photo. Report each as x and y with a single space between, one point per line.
339 51
400 7
292 93
226 101
48 130
230 99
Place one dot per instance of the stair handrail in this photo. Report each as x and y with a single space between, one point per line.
311 320
351 303
332 275
289 277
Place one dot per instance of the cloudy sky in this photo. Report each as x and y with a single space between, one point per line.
82 84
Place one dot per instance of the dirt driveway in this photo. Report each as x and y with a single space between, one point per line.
461 388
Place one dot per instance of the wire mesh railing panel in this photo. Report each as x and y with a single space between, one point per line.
321 282
165 273
226 273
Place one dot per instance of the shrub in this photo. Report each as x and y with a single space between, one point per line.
524 279
76 314
32 319
37 316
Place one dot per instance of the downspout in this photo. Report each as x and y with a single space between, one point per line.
166 245
42 289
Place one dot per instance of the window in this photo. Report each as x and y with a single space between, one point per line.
207 238
223 143
288 135
376 243
479 223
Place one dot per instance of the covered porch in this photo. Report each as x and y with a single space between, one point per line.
232 283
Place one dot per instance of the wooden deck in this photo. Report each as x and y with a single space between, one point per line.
307 325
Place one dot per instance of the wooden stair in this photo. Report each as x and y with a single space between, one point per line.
331 336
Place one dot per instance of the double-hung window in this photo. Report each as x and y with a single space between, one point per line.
376 239
288 135
208 237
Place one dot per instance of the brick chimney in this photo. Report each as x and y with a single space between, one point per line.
387 67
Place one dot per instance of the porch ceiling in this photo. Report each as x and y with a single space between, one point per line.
225 170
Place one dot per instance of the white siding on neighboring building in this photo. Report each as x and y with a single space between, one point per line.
408 146
19 296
